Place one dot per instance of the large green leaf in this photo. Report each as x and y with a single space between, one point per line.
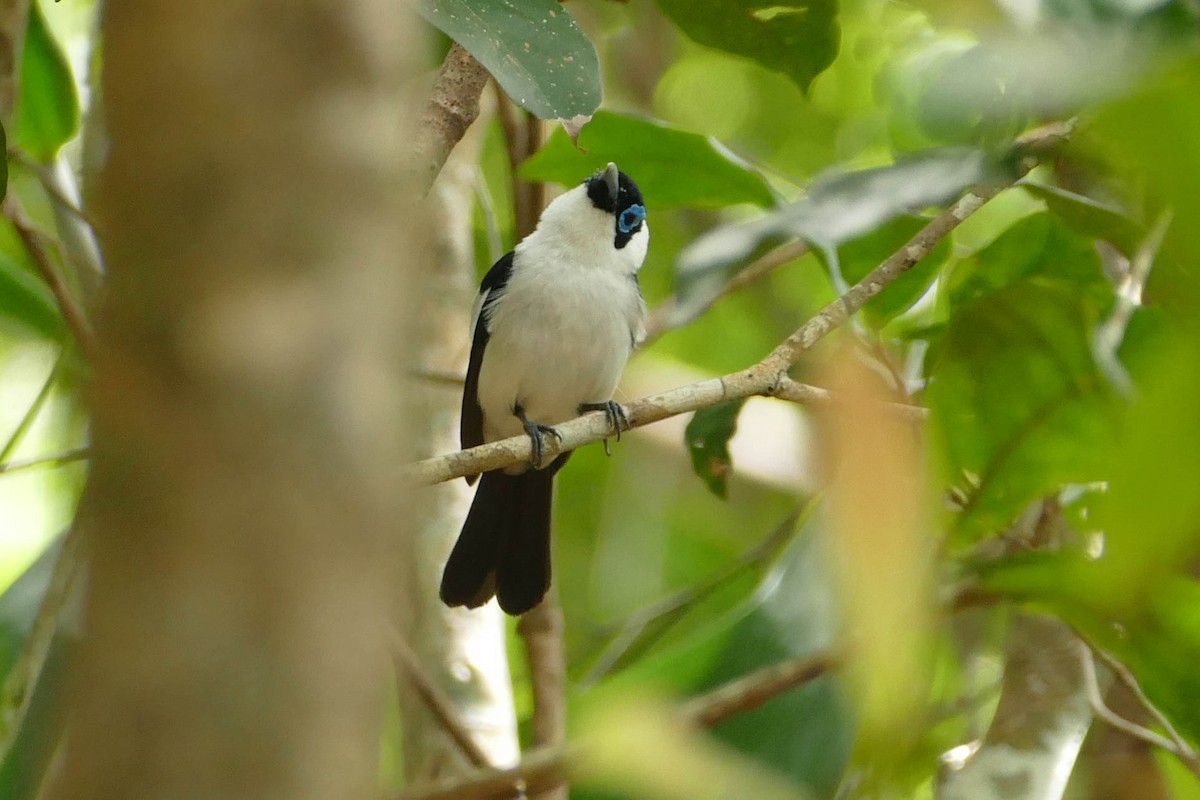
533 48
47 108
1018 400
672 167
1035 247
799 38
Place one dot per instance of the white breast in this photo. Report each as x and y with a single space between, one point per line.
562 329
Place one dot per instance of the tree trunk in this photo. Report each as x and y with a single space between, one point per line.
246 412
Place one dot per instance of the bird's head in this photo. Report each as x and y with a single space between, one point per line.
605 213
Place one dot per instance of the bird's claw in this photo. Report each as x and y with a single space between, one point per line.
535 431
618 418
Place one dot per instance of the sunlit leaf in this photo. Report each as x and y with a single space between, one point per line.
533 48
47 106
799 38
707 437
1018 400
672 167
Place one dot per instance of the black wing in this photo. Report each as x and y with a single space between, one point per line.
471 426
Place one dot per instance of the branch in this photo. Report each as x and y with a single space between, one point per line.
667 315
441 706
34 242
764 378
79 454
630 637
751 691
453 105
541 630
548 767
1173 743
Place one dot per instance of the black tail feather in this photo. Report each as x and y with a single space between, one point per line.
523 561
470 575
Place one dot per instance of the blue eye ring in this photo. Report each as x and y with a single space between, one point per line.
631 217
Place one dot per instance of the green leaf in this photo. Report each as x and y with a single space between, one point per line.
707 437
533 48
47 106
1035 247
1018 400
857 258
1090 217
840 208
798 38
672 167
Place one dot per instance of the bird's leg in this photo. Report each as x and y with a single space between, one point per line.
535 430
618 417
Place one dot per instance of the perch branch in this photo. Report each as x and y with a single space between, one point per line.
764 378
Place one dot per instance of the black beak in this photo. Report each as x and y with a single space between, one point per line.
611 180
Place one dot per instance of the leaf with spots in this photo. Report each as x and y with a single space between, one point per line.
533 48
707 437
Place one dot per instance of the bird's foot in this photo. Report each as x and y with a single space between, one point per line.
535 431
618 418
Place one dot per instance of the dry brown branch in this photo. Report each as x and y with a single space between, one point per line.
453 105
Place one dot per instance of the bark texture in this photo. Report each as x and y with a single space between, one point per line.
245 401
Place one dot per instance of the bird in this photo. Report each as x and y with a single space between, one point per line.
554 324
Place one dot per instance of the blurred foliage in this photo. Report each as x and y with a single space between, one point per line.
848 125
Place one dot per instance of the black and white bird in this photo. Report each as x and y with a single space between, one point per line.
554 324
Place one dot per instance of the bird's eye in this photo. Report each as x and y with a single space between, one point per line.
630 218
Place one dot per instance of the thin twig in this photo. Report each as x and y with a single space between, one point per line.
548 767
1111 332
35 243
667 315
441 706
763 378
18 434
751 691
538 770
50 185
57 460
453 105
628 636
18 687
1181 748
807 394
